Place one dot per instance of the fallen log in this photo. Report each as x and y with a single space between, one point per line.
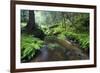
71 50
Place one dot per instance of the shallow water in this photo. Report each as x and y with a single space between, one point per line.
57 54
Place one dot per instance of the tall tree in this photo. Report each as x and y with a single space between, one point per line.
32 27
31 23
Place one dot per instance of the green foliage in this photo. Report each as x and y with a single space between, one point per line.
54 29
55 25
50 39
29 45
23 24
81 22
81 38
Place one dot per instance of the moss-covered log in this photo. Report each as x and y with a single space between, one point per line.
71 49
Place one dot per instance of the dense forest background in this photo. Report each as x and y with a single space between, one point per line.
54 36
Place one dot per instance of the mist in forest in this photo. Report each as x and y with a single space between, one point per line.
54 36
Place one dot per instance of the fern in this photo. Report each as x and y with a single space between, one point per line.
29 45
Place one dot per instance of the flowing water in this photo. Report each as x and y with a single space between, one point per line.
57 54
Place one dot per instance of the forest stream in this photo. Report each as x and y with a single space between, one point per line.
68 52
54 36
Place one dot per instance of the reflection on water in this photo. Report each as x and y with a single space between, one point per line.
57 54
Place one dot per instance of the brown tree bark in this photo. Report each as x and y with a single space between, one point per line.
32 27
31 23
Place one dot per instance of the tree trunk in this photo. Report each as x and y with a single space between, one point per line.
32 27
31 23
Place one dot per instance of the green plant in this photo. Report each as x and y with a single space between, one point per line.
81 38
29 45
